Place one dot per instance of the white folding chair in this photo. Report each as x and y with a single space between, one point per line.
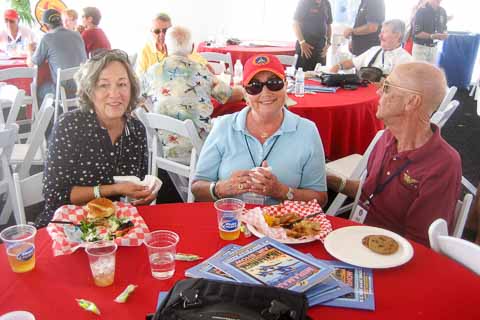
287 60
33 151
350 167
441 117
462 251
140 114
218 61
448 98
8 136
24 73
462 209
28 191
183 128
10 97
60 92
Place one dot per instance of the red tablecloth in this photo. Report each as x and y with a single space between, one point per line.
19 83
429 286
243 52
345 119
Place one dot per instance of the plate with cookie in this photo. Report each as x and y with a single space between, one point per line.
368 247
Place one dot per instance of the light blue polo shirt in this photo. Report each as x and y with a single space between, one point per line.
297 158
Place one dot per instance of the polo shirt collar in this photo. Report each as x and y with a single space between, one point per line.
422 152
289 123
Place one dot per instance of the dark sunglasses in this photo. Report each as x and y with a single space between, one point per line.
99 54
255 86
158 31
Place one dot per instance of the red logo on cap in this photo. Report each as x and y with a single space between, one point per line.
260 60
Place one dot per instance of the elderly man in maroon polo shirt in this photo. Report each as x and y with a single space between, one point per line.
413 174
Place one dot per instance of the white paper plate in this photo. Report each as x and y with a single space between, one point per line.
258 234
345 244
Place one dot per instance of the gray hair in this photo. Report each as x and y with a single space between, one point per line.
87 78
179 41
397 25
163 17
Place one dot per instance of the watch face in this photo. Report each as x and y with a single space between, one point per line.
290 194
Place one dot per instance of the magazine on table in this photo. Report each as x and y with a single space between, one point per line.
269 262
360 280
330 289
208 271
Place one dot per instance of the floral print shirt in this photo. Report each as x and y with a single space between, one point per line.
182 88
80 153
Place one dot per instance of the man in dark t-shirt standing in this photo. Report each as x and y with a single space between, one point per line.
368 22
313 28
430 26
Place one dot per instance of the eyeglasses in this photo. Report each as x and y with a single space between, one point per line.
158 31
387 84
255 86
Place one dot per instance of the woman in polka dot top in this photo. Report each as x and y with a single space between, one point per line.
91 145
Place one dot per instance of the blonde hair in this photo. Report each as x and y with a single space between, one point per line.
70 13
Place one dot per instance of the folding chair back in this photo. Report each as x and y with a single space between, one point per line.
221 61
182 128
61 95
448 98
28 191
441 117
13 98
8 135
462 251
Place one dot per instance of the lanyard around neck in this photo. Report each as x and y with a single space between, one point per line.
266 156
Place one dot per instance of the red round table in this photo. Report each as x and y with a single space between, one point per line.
15 63
429 286
345 119
245 52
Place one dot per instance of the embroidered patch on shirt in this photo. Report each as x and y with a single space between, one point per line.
409 180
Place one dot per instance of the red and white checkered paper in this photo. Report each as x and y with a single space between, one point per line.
61 244
255 218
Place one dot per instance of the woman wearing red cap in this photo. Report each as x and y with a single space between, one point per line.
263 154
15 38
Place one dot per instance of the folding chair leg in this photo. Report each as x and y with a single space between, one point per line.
6 212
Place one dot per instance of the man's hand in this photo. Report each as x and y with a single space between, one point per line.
306 49
348 32
440 36
31 47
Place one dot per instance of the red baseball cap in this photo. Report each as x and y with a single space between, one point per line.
262 62
10 14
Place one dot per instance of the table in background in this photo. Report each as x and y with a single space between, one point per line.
23 84
345 119
430 286
245 52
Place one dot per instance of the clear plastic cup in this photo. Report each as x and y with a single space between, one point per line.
20 246
101 255
162 246
228 212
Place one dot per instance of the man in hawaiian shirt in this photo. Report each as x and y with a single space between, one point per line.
182 88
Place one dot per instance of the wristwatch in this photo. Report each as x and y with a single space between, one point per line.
290 194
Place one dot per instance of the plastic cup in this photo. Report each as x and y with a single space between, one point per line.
228 211
101 255
20 245
162 246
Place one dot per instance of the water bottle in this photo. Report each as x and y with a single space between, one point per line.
299 83
238 72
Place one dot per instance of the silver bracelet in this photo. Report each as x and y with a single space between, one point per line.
212 191
96 192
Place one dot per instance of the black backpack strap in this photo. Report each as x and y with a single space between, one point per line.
374 57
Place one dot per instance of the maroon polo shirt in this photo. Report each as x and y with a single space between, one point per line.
95 39
426 189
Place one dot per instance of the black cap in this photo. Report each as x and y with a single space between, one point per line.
51 16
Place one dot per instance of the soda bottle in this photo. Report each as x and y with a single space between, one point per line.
237 72
299 83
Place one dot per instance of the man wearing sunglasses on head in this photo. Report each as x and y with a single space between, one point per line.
413 174
155 49
15 38
263 154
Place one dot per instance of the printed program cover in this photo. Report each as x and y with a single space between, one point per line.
269 262
360 279
208 271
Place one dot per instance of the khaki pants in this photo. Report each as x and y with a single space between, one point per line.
424 53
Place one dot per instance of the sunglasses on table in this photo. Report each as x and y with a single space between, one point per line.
387 84
158 31
255 86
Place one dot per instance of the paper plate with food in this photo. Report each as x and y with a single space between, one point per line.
73 226
291 222
369 247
